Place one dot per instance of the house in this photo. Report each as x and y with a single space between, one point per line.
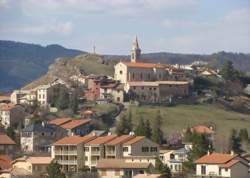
11 115
7 145
95 149
4 99
17 96
36 166
93 91
118 168
112 91
156 91
38 137
202 129
73 126
69 152
5 162
222 165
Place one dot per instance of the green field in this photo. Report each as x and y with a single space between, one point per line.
177 118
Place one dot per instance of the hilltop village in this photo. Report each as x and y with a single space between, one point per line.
85 126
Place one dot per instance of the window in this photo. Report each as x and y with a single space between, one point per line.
220 171
141 76
86 158
86 149
120 71
125 149
203 170
145 149
226 169
153 149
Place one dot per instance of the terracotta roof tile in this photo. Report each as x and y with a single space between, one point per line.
60 121
120 164
230 163
4 98
74 140
202 129
134 140
75 123
101 140
143 65
5 162
120 139
6 140
215 158
35 159
7 107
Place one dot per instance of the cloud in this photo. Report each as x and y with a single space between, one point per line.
3 3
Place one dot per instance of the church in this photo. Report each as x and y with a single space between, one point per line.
149 82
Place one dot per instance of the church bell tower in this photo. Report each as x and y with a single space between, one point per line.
136 51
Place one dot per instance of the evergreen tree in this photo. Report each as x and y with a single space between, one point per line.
158 165
243 135
235 144
188 135
62 100
166 172
11 133
121 126
148 130
129 126
157 134
54 171
74 103
140 129
228 72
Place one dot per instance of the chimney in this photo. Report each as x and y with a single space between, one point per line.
131 133
109 133
232 153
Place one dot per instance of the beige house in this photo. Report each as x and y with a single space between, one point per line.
37 166
95 150
118 168
69 152
222 165
112 91
11 115
17 96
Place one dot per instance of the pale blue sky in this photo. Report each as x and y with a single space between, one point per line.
185 26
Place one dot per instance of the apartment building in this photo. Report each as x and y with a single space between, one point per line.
222 165
69 152
11 115
95 150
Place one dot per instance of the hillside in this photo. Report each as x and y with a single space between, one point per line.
20 63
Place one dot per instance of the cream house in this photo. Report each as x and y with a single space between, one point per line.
69 152
118 168
222 165
37 166
113 91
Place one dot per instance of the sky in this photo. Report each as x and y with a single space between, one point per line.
180 26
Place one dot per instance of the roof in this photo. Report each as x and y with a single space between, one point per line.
4 98
143 65
157 83
147 176
215 158
6 140
75 123
35 159
202 129
7 107
60 121
113 85
120 164
101 140
230 163
120 139
74 140
134 140
5 162
165 151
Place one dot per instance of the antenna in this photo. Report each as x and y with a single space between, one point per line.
94 49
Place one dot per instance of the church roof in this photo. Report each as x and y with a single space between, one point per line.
143 65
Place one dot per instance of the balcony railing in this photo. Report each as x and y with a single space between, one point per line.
59 152
95 152
110 152
67 162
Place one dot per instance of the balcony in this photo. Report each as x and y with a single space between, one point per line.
95 152
67 162
110 152
65 152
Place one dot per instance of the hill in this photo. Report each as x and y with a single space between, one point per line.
20 63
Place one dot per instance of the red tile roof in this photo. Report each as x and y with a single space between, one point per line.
134 140
215 158
120 139
4 98
143 65
60 121
202 129
5 162
74 140
6 107
230 163
75 123
101 140
6 140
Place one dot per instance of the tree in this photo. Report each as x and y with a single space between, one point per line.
123 125
148 130
235 144
11 133
157 134
129 121
228 72
188 135
162 169
140 129
74 103
62 100
243 135
54 171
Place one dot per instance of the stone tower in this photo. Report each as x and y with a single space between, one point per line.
136 51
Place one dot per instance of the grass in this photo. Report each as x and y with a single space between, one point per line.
177 118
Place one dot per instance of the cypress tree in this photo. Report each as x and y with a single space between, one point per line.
157 134
148 130
140 130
